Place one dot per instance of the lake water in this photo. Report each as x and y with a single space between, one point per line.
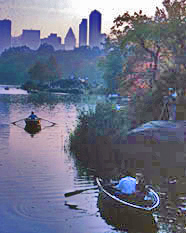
37 170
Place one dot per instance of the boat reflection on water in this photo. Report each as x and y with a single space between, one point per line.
125 221
32 131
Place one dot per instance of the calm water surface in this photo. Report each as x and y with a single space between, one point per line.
37 170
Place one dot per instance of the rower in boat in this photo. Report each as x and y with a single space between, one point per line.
143 201
127 188
32 123
33 116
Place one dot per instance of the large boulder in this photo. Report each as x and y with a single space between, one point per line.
157 147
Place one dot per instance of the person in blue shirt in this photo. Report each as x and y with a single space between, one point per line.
33 116
127 185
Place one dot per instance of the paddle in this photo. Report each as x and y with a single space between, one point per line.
78 192
48 121
17 121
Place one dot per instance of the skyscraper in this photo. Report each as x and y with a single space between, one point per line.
94 28
31 38
83 33
5 34
70 40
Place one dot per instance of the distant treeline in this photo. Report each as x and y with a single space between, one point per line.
15 63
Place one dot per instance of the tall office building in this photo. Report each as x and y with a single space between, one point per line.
31 38
70 40
83 33
5 34
94 29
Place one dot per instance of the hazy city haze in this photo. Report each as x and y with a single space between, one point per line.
57 16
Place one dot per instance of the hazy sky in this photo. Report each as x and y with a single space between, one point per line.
58 15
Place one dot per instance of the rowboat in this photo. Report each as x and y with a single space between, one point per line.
32 125
146 203
125 222
32 122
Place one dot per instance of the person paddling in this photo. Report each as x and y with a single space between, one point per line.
33 116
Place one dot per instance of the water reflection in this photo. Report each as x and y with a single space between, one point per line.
32 132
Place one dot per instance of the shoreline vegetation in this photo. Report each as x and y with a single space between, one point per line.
104 141
98 135
94 135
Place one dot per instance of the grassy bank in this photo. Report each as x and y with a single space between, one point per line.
96 132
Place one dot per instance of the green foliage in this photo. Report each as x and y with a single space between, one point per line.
15 63
45 49
111 65
81 62
53 68
103 122
43 72
29 85
161 36
39 72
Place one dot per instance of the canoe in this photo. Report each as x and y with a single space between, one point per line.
32 125
125 222
134 203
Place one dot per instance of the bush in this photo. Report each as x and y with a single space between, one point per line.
29 85
95 130
145 108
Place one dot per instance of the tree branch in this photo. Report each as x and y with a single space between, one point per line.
146 49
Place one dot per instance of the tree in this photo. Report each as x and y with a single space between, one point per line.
139 30
111 64
174 41
53 68
45 49
159 36
39 71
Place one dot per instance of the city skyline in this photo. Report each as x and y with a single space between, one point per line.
58 16
89 35
32 38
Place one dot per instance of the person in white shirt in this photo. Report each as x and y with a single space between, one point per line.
127 185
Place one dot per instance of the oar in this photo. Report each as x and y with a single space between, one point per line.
48 121
18 121
78 192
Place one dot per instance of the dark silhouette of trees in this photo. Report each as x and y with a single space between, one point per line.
16 62
53 68
39 72
44 72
